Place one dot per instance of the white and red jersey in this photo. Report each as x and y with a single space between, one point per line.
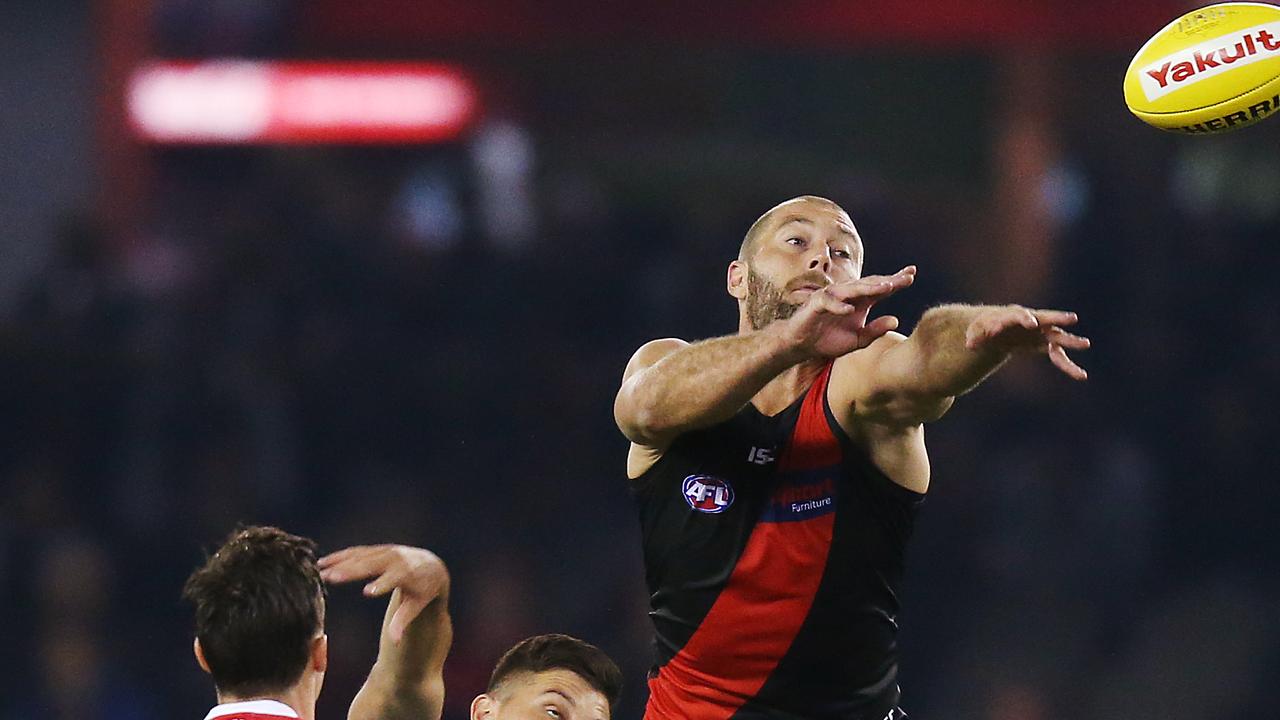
252 710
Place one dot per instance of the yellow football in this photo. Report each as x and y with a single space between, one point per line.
1210 71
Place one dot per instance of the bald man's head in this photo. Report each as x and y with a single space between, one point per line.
765 222
800 244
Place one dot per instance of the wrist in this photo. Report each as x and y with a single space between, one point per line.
781 346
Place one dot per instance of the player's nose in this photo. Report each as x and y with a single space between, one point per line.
821 261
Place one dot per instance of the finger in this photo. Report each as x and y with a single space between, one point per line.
1023 317
1058 336
854 290
896 283
902 278
872 286
341 565
978 332
342 568
1055 317
866 300
369 562
340 555
829 304
410 608
1059 358
973 336
386 582
877 328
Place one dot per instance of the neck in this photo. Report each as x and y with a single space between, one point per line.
787 387
295 697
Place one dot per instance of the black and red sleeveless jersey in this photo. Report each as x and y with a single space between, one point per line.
773 552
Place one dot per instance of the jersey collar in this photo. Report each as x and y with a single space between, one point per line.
272 708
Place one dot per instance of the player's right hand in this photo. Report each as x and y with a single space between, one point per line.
833 322
420 576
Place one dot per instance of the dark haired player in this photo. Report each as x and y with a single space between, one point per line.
778 472
260 611
551 676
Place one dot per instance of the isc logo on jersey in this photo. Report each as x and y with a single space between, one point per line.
707 494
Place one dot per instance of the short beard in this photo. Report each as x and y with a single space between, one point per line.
764 302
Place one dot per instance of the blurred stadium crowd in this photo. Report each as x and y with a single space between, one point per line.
422 344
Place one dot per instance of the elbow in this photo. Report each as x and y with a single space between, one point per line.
638 418
642 426
924 405
425 701
910 409
420 701
933 408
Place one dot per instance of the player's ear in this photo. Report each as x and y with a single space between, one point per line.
320 653
199 651
736 281
482 707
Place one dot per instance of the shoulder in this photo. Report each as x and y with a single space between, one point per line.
651 353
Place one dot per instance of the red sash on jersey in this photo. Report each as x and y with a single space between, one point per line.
758 613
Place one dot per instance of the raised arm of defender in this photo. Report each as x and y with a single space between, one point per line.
671 386
407 678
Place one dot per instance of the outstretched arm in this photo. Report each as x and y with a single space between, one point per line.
671 386
907 381
406 681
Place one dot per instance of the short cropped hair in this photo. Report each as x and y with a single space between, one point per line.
259 602
748 248
561 652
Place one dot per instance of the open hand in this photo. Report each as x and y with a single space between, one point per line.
833 321
420 576
1013 328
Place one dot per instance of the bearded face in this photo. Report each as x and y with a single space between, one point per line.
765 301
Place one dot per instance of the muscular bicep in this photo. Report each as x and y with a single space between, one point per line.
629 412
884 384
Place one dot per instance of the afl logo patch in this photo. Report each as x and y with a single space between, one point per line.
707 494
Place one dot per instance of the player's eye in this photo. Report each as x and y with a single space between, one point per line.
795 241
842 254
553 712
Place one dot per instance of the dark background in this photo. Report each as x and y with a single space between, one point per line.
421 344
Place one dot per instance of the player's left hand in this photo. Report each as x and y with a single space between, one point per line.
420 576
1013 328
